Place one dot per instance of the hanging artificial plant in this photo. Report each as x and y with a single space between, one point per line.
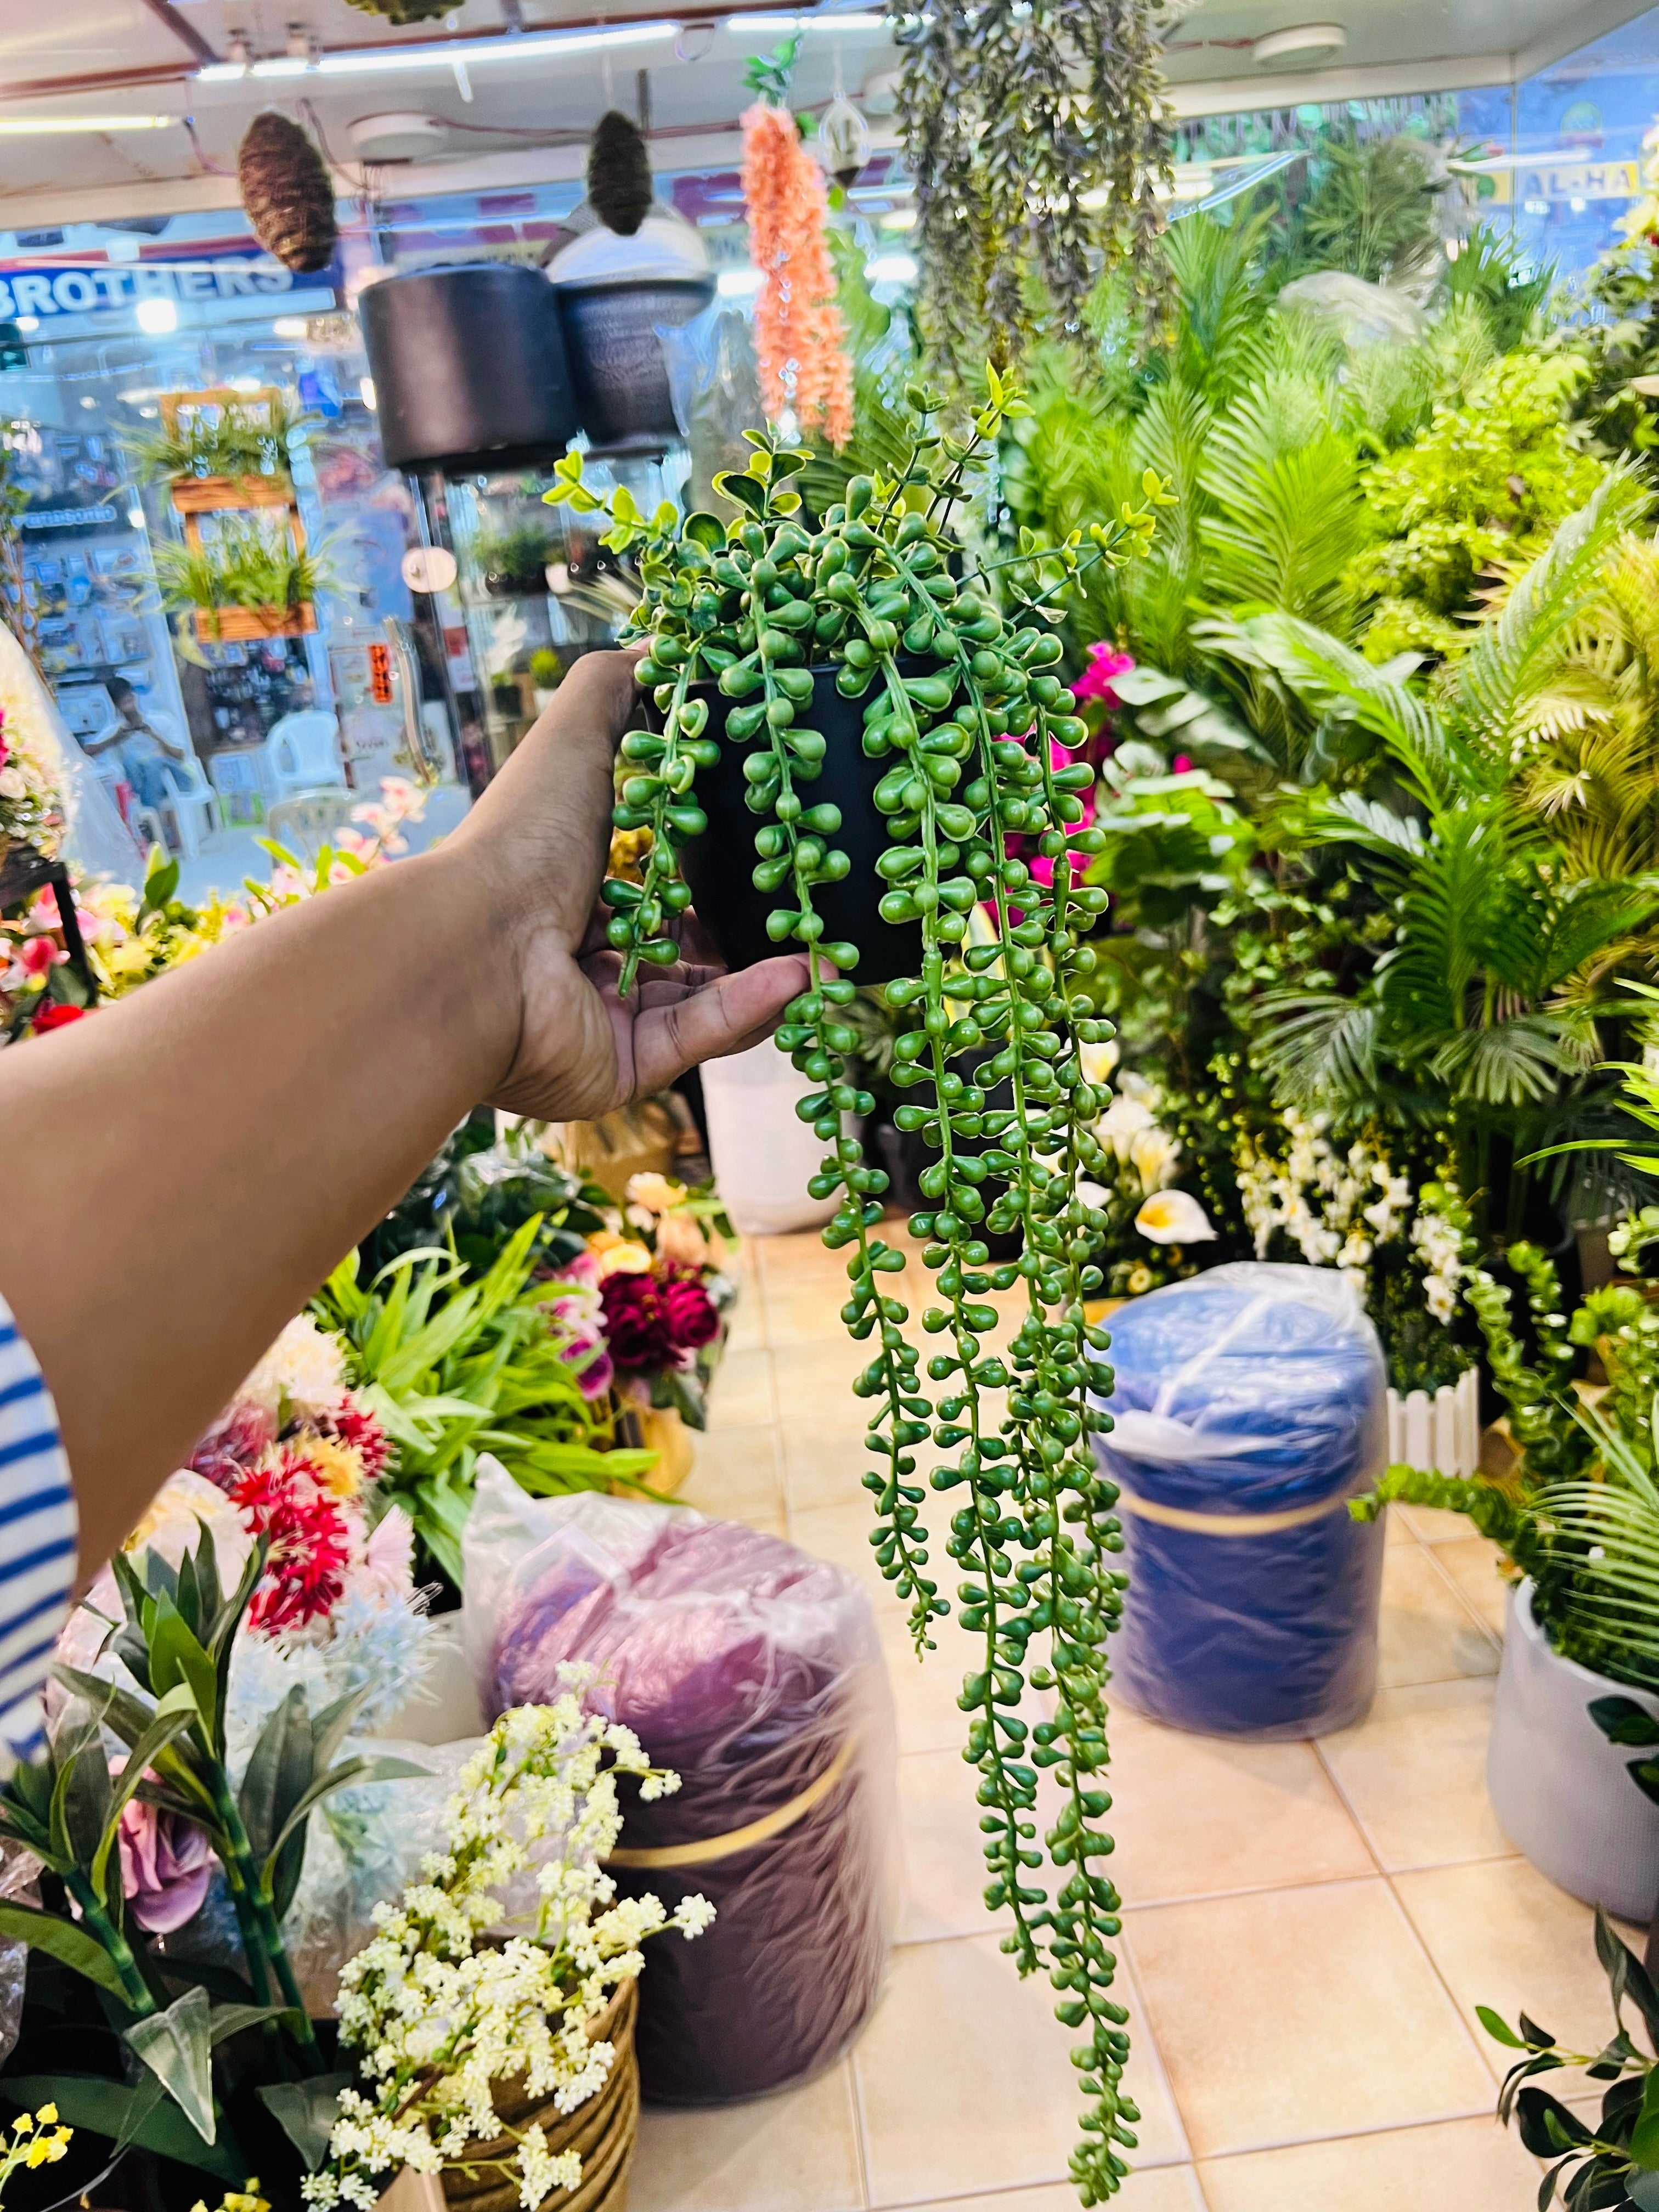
286 192
748 629
800 340
1037 132
619 187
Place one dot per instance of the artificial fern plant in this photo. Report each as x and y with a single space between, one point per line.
747 628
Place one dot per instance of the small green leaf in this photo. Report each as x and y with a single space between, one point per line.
1497 2028
64 1940
140 2115
176 2047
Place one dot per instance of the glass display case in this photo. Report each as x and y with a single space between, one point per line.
533 590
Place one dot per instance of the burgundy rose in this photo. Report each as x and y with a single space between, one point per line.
237 1441
650 1319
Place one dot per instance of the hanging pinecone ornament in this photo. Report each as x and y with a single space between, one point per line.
404 11
286 192
619 189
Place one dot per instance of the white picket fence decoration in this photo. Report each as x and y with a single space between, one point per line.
1442 1431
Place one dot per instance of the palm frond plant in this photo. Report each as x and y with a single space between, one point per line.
247 562
1367 208
1491 272
454 1365
233 437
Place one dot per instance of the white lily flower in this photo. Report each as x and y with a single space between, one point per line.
1174 1216
1097 1061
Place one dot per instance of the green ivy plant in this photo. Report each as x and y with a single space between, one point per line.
964 703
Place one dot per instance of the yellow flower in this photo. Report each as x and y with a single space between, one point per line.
655 1193
21 2125
338 1465
1140 1279
47 2116
618 1255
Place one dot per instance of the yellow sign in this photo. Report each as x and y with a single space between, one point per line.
1566 180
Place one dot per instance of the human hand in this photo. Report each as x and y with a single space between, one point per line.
540 835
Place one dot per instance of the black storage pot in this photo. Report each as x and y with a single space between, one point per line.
617 361
469 368
719 865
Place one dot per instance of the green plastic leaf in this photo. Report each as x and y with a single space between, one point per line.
176 1656
173 1717
1621 1720
704 529
1497 2029
306 2112
143 2115
1642 2190
66 1940
355 1772
1645 2135
176 2047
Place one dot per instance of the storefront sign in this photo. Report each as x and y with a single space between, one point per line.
1564 181
53 287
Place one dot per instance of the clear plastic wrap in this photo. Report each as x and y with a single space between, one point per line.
715 383
756 1674
1248 1407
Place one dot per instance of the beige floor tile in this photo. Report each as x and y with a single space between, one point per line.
807 1310
1431 1524
746 1329
794 2152
1471 1562
734 1473
1149 2189
965 2084
741 1395
1195 1814
1344 2025
945 1872
824 1463
1502 1936
841 1533
1426 1633
1473 2165
1414 1773
1396 1529
925 1690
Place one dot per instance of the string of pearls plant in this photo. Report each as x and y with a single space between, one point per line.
962 699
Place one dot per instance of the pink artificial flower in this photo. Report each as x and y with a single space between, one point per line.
1183 765
38 955
43 908
1105 662
235 1443
166 1866
387 1567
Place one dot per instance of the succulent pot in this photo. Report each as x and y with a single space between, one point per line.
617 366
1561 1790
719 865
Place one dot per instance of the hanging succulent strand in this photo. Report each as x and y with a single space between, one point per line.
800 340
1037 133
752 621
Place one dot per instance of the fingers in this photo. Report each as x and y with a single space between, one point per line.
726 1015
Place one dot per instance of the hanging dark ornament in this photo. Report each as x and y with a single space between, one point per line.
286 192
619 187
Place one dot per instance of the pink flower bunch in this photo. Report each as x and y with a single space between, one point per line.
400 801
800 339
575 1303
301 1489
1105 663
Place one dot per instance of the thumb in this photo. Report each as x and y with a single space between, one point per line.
725 1016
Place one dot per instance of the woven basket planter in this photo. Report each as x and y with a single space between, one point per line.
603 2131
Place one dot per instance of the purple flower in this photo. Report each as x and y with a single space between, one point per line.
166 1867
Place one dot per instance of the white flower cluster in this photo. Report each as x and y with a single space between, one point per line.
1128 1129
437 2017
1337 1206
303 1373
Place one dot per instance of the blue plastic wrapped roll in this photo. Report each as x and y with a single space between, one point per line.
1248 1408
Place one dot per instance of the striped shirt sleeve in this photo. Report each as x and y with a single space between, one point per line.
37 1540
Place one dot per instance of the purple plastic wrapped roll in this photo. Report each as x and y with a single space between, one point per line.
755 1673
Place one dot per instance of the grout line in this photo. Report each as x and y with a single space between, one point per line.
1346 2135
860 2144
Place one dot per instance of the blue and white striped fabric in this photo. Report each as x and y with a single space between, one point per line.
37 1540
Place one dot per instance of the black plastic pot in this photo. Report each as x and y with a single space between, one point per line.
616 361
720 864
468 365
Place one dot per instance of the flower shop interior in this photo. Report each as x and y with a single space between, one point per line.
1043 1588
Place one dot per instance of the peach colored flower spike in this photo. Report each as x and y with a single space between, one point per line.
799 336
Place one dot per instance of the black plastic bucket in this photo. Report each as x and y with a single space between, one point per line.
720 864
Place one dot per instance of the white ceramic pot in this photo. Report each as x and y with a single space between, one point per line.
1562 1792
763 1153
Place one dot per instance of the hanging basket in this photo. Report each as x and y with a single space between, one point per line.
602 2132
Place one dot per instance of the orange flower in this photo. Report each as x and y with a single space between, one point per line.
799 336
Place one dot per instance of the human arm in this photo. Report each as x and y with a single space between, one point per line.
190 1163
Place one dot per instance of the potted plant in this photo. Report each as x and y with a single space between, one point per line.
1579 1520
546 673
253 579
512 561
874 710
221 449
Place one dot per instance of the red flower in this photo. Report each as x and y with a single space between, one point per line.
54 1017
650 1320
355 1425
310 1543
238 1440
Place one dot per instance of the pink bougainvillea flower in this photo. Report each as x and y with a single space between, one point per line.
166 1866
1105 662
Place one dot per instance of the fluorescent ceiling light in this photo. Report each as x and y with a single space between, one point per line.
739 283
45 126
444 54
816 20
221 72
283 65
157 317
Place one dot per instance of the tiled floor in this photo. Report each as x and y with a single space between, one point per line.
1308 1926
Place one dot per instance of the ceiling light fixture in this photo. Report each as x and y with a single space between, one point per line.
158 317
1307 41
816 21
445 53
47 126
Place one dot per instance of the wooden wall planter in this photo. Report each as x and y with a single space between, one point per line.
195 497
244 625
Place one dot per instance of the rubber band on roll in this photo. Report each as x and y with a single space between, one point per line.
709 1849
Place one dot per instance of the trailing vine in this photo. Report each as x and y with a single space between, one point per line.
957 671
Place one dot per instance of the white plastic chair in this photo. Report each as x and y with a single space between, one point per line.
306 821
196 808
303 751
